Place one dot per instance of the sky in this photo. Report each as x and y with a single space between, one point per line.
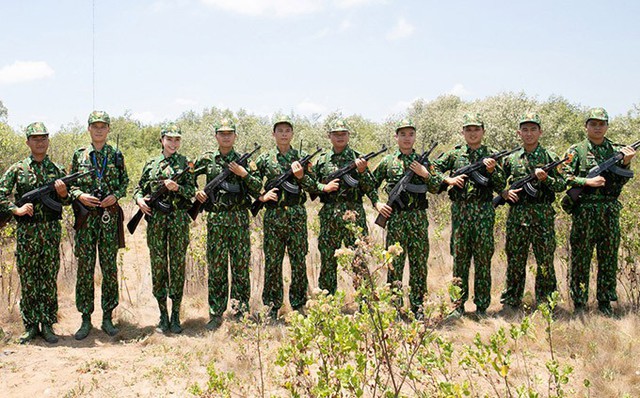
155 59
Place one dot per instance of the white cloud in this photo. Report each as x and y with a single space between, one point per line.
354 3
401 106
345 25
402 30
24 71
277 8
324 32
185 102
459 90
308 107
146 117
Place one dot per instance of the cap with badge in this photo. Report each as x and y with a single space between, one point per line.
529 117
99 116
472 119
225 125
36 128
598 114
338 125
406 122
170 130
282 119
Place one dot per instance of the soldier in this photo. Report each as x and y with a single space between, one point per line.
337 198
596 216
100 194
37 235
472 214
285 220
531 219
228 235
409 225
167 229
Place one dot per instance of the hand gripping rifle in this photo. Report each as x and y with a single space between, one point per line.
527 183
220 181
344 175
610 165
43 195
155 199
403 185
282 181
474 169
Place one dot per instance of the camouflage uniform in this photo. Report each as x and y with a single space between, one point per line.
531 223
408 226
38 237
333 230
228 235
595 220
285 227
101 230
472 220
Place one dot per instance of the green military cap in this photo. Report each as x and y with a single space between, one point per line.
282 119
472 119
406 122
529 117
226 125
170 130
99 116
598 114
36 128
338 125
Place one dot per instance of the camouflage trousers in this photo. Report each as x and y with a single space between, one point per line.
168 239
595 225
333 234
472 237
520 236
411 230
103 237
38 263
285 228
228 245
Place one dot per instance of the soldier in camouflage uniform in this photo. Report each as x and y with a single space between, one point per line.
408 226
167 232
338 197
38 234
100 193
228 235
285 219
531 219
472 213
596 216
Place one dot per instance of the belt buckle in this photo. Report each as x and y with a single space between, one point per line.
106 217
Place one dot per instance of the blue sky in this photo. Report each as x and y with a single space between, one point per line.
158 58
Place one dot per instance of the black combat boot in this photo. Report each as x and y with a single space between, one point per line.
163 325
85 328
175 317
107 324
48 335
30 332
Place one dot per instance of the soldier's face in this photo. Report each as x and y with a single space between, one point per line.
529 133
339 140
38 144
226 139
473 135
171 145
283 134
406 137
99 132
596 129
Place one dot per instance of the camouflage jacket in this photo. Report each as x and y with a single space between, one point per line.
161 168
25 176
463 155
330 162
391 169
585 155
108 178
272 164
214 163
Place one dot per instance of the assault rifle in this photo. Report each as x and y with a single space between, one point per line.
474 169
220 181
403 185
527 182
155 199
43 195
282 181
343 173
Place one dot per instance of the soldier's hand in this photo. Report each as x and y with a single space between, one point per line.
361 165
201 196
629 153
61 188
419 169
490 164
457 181
512 195
384 209
142 204
541 175
26 209
171 185
108 201
332 186
271 195
238 170
595 182
297 170
89 200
